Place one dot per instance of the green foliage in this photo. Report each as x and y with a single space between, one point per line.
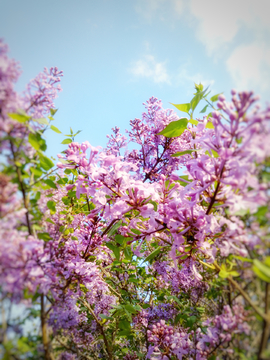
175 128
182 107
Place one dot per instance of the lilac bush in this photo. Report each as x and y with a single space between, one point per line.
158 252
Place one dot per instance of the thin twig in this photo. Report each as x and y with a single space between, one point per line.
108 348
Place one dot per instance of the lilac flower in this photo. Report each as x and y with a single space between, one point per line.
41 92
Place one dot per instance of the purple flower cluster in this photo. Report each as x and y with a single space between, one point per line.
154 156
41 92
220 330
166 341
9 74
127 240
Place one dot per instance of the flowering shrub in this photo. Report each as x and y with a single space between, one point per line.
158 252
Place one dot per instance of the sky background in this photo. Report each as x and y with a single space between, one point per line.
115 54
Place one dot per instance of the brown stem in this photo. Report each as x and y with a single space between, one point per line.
246 297
89 242
4 323
109 227
108 348
112 289
44 176
148 175
25 202
266 324
45 338
74 351
213 199
88 205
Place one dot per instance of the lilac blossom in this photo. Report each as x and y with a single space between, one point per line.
41 92
122 246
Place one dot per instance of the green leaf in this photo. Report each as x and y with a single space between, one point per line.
262 267
184 152
50 221
175 128
153 254
145 306
128 253
136 231
44 236
191 320
46 163
21 118
17 163
128 315
105 317
267 261
215 97
224 274
114 228
234 273
71 193
37 142
215 154
204 109
115 250
51 205
242 212
262 211
54 128
36 171
175 298
53 111
183 177
209 125
42 121
77 132
193 122
198 87
130 309
177 318
239 140
154 204
66 141
38 194
260 274
23 347
196 99
120 239
33 141
241 258
50 183
182 107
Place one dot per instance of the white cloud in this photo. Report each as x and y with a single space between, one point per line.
219 21
249 66
237 31
178 6
184 76
148 67
161 8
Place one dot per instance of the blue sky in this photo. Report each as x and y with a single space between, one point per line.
115 54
